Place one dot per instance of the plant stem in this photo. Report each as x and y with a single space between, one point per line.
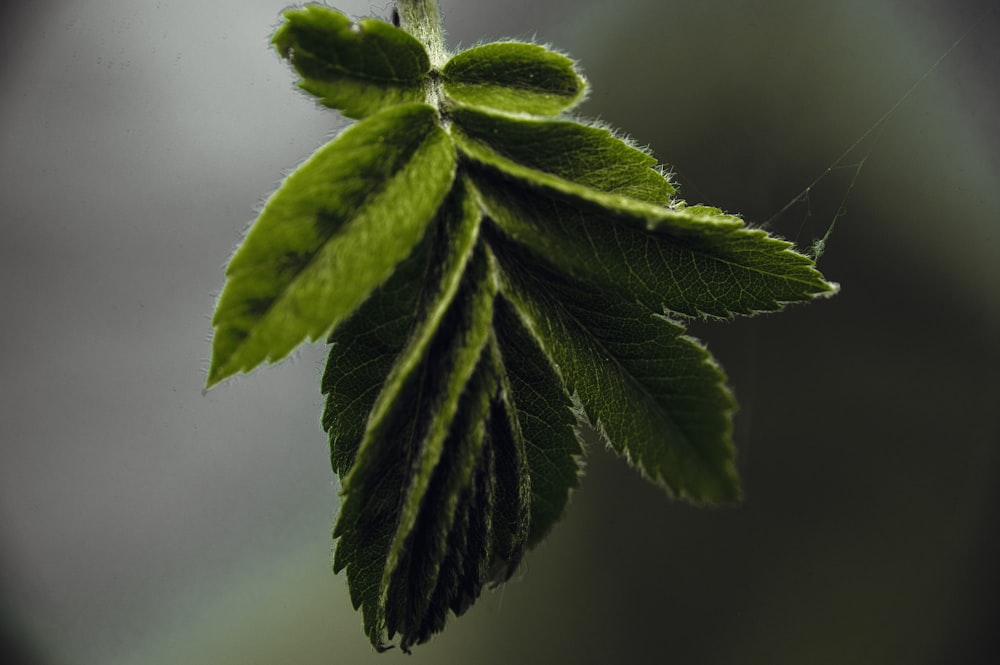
422 19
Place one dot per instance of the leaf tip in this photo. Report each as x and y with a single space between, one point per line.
214 377
832 289
730 492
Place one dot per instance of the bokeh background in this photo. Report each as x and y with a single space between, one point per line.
142 521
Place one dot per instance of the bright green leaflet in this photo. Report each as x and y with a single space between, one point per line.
358 68
654 393
334 231
513 77
491 276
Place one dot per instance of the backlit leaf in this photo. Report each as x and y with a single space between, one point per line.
358 68
677 261
544 419
561 153
334 230
514 77
654 393
404 313
491 277
403 444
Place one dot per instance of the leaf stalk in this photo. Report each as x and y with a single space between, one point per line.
422 19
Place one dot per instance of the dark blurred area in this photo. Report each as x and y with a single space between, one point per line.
143 522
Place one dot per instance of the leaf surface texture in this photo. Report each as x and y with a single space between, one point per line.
491 276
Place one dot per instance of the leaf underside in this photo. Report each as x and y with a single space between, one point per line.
490 276
357 68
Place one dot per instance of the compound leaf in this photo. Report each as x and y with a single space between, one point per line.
358 68
491 278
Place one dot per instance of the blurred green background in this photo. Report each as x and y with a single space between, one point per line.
144 522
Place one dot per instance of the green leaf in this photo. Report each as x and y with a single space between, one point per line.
491 279
564 155
655 394
425 582
358 68
515 77
402 314
404 442
678 261
510 485
334 231
544 419
553 168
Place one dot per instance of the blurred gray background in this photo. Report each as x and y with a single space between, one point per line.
144 522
